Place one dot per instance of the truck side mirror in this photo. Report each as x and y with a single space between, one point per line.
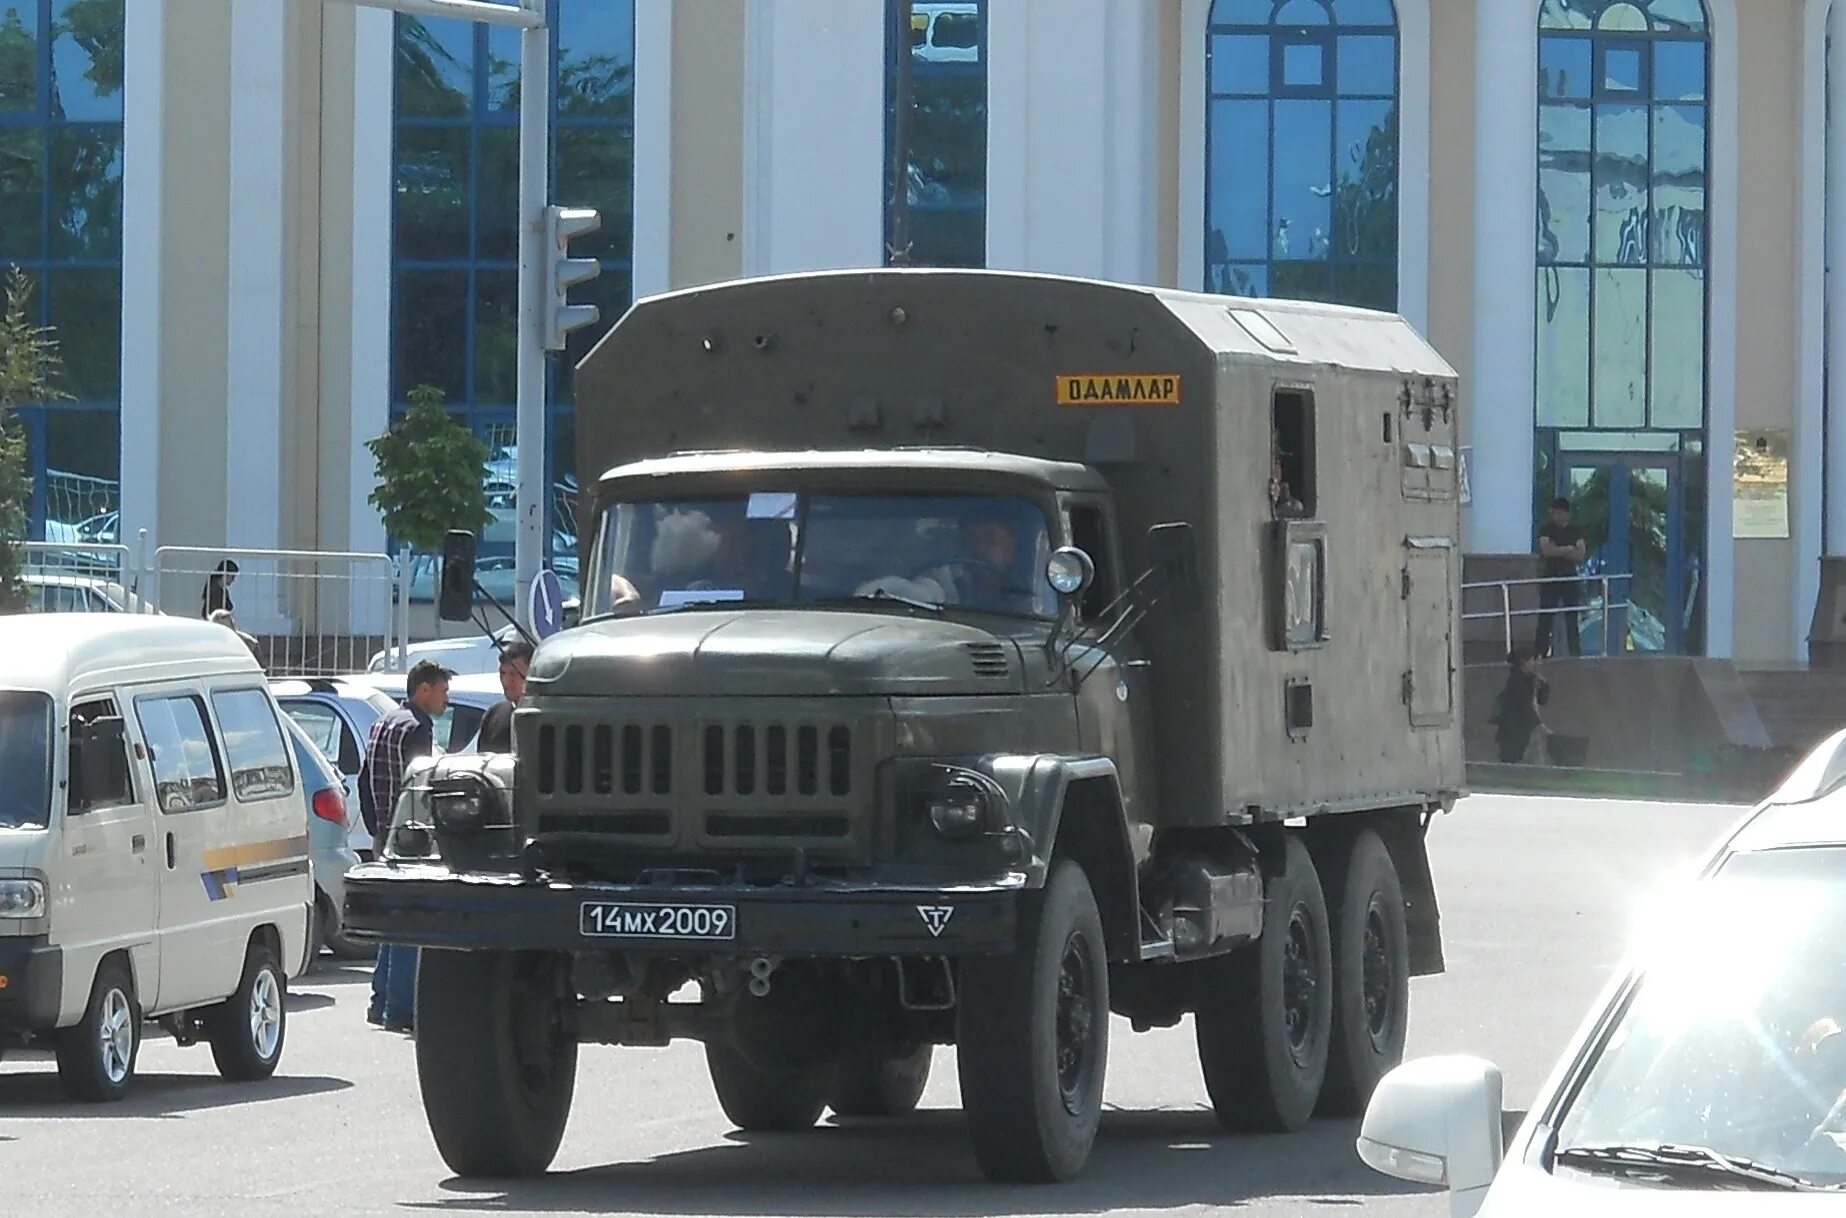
455 600
1069 571
99 765
1173 553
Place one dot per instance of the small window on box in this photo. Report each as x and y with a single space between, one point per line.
1291 467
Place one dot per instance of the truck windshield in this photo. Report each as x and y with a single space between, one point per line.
25 760
978 552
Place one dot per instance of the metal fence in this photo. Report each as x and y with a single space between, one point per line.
1607 615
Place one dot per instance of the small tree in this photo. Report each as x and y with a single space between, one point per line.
430 470
29 369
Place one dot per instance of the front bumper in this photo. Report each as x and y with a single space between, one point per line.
426 905
31 986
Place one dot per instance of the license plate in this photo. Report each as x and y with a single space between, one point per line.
628 920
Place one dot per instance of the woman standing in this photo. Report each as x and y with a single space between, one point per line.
217 593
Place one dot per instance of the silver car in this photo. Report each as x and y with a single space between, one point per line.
330 854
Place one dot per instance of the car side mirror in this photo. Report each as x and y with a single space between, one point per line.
1173 552
99 771
1436 1121
455 600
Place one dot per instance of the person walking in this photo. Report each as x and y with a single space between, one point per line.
497 724
217 594
1515 714
1561 549
397 739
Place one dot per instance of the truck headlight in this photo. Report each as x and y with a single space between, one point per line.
458 811
962 803
22 899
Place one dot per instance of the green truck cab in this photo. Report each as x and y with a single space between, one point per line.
964 656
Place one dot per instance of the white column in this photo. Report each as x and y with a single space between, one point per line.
143 93
371 254
814 135
1071 168
1505 189
1835 288
1413 126
653 211
1721 272
1809 502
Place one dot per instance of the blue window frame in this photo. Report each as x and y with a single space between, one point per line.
455 269
936 133
1301 154
61 222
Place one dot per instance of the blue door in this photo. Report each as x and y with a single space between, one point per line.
1628 506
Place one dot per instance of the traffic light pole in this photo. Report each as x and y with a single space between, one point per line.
534 259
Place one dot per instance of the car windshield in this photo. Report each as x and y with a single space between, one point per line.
1734 1039
25 760
979 552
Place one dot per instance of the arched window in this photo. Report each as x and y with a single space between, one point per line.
936 133
1623 150
1301 150
455 233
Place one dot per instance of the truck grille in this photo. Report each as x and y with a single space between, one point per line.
604 759
751 759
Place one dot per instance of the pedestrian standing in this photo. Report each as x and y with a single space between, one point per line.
1561 550
217 594
1515 714
497 724
397 739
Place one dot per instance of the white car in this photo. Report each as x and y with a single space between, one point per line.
1711 1076
49 592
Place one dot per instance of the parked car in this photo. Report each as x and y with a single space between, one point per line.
1714 1063
330 852
471 696
337 714
50 592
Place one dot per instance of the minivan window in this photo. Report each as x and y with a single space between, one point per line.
25 760
253 744
181 749
89 712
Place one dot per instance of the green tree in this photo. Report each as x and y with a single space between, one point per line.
430 470
29 371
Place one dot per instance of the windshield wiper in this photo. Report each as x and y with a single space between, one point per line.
1684 1161
877 594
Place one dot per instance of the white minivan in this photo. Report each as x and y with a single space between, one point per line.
153 846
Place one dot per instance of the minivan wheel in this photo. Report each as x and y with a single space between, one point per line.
247 1029
96 1059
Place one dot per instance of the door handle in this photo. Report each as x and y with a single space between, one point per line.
170 851
138 843
1137 663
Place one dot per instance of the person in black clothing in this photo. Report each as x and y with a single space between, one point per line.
1515 713
497 724
1561 548
217 593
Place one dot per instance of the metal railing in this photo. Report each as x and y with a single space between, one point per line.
1505 613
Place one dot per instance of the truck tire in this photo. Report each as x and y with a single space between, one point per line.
763 1101
872 1086
1265 1014
247 1029
1371 979
1032 1035
496 1061
96 1058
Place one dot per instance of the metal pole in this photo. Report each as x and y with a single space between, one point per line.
1506 615
534 188
898 251
1607 609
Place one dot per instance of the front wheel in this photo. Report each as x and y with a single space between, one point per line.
496 1061
246 1031
873 1086
96 1059
1032 1036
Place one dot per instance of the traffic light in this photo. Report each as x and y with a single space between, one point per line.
562 272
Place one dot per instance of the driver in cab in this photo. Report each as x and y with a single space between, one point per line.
992 568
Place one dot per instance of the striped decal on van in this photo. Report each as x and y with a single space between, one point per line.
229 866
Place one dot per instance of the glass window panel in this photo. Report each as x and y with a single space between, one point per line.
1563 347
253 748
1620 352
1364 12
82 474
496 217
1622 17
948 141
22 192
496 336
429 331
1366 191
1302 206
1679 70
1678 15
182 751
1240 64
86 60
1240 12
1366 285
86 308
596 60
564 493
1301 281
596 168
1237 205
1564 67
1563 184
503 72
18 55
435 67
1677 339
1622 69
1239 279
1304 65
1302 12
612 290
1679 185
1368 64
86 193
430 219
1620 180
1566 14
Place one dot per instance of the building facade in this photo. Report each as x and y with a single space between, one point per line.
260 224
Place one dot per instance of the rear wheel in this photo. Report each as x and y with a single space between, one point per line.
247 1029
873 1086
96 1059
1265 1014
496 1061
1371 988
763 1101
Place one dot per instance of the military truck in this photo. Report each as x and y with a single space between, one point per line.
964 657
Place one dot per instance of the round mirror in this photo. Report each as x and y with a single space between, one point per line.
1069 571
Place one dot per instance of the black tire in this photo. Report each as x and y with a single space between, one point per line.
1265 1014
1371 979
496 1059
96 1058
1032 1037
247 1029
335 940
865 1086
317 930
763 1101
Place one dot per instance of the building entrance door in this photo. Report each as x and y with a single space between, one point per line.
1628 506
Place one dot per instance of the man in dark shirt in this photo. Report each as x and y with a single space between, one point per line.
396 740
1561 548
497 724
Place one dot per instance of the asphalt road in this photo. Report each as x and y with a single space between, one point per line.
1536 896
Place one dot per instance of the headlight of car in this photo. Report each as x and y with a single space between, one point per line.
962 803
22 899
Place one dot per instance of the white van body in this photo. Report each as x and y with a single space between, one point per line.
192 888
